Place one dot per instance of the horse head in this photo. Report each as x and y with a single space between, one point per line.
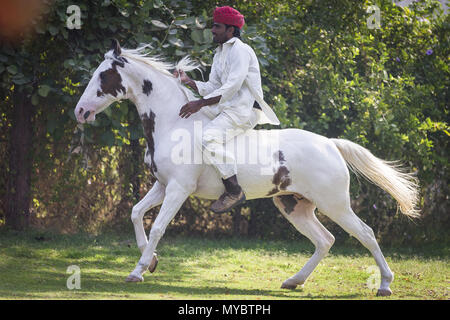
106 86
133 74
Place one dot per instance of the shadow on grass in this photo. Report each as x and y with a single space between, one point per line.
30 273
176 245
113 286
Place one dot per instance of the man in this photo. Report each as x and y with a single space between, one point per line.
232 91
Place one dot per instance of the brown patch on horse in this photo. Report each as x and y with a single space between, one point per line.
281 178
148 122
147 87
289 202
273 191
111 81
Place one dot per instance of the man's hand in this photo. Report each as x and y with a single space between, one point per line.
183 76
193 106
190 108
185 79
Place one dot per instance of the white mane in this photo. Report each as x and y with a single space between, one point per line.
157 62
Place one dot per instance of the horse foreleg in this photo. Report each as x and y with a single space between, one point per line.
300 212
152 199
173 200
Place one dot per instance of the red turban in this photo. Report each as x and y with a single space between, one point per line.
228 15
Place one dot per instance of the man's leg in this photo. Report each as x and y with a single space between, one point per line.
216 134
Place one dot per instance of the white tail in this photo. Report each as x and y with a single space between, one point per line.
387 175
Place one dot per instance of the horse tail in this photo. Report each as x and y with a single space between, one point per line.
389 176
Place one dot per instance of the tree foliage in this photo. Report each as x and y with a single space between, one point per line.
324 70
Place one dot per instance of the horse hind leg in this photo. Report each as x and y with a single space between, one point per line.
300 212
352 224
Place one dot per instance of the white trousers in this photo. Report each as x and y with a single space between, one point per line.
215 135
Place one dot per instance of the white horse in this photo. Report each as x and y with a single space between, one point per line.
308 171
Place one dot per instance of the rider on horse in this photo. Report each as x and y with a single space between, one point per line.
235 98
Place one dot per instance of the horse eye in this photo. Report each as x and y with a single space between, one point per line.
102 76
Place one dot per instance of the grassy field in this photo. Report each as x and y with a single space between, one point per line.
34 267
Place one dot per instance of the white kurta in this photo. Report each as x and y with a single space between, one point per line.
234 76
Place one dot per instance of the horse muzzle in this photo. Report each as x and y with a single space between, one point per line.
84 114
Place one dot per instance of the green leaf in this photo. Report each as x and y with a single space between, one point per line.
103 24
51 125
34 99
176 42
207 35
108 138
135 132
124 108
108 112
181 24
12 69
200 23
116 124
44 90
125 25
53 30
112 27
65 33
157 4
159 24
197 36
19 79
69 63
180 53
190 20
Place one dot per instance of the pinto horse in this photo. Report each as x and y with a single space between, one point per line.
305 171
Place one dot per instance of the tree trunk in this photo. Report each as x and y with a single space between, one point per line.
20 163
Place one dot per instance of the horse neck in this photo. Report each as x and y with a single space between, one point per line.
159 97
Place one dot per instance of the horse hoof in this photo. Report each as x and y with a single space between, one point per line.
289 286
153 264
133 278
384 292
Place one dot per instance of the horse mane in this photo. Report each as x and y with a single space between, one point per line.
157 62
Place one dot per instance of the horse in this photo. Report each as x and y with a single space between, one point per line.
305 170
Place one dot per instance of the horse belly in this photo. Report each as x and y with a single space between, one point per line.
257 156
254 184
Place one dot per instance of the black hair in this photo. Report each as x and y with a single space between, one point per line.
236 32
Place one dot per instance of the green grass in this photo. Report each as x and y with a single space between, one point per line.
32 267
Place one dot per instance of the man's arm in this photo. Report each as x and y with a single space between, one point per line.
194 106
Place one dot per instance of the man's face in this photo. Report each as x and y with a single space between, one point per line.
221 33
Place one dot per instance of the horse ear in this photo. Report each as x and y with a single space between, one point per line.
115 46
